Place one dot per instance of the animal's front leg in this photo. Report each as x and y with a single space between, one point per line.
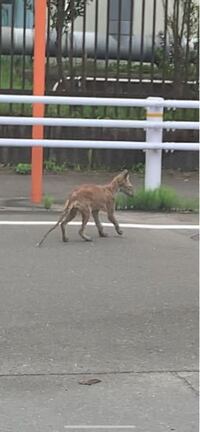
95 215
112 219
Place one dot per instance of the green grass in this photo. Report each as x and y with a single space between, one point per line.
48 201
12 72
125 68
161 199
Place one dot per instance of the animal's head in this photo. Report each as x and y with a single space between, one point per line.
124 183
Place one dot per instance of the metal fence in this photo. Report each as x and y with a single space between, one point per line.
121 47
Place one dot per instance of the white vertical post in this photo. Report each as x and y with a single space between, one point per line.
153 158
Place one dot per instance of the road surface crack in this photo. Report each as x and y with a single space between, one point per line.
186 382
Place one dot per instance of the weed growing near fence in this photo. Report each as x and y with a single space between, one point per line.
139 168
23 168
161 199
52 166
48 201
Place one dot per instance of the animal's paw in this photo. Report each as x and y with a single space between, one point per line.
103 234
84 236
120 232
87 238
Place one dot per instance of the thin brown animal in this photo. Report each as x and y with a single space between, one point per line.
90 199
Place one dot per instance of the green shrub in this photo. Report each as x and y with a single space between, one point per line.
23 168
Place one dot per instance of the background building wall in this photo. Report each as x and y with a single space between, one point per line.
125 16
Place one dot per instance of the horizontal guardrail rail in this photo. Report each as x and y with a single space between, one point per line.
126 145
94 101
98 123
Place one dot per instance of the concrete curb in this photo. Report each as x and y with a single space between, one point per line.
23 205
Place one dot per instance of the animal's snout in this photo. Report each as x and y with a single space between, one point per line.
130 191
129 188
125 184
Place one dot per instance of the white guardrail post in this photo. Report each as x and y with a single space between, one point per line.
153 158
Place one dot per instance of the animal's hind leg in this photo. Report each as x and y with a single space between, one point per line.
85 213
69 216
99 226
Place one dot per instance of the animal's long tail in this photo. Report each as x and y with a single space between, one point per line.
54 226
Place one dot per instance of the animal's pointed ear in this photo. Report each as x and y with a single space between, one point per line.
125 173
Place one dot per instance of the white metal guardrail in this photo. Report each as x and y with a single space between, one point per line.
93 101
153 125
97 123
98 144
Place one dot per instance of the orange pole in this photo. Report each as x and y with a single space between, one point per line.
39 90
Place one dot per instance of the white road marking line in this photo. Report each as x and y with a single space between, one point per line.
106 224
123 427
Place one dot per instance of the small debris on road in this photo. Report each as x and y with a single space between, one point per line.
90 381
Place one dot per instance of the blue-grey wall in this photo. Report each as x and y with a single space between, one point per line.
17 8
124 18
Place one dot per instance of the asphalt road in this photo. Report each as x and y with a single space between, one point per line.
123 310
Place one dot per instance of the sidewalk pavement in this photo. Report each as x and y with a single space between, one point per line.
15 189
